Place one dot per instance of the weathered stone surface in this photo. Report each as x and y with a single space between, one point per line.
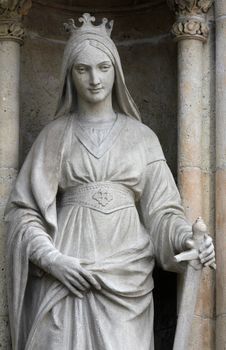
190 184
3 294
221 173
220 331
9 107
195 138
189 103
203 334
7 179
4 333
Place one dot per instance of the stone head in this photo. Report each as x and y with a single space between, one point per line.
91 67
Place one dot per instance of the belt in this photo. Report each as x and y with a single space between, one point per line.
105 197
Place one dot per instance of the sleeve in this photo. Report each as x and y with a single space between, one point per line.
163 215
31 210
42 252
32 218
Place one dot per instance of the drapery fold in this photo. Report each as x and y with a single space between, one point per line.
117 248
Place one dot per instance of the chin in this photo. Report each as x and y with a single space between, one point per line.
96 98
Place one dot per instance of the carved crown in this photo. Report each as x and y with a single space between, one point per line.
104 29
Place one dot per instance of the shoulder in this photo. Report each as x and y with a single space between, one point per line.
141 129
53 131
55 126
146 137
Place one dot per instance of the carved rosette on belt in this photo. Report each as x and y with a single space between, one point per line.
11 12
191 19
103 196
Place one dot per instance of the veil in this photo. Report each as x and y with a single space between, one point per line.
122 100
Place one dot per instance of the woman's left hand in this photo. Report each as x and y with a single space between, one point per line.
206 251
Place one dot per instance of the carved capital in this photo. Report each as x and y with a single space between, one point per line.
190 7
11 13
11 31
191 18
190 29
14 7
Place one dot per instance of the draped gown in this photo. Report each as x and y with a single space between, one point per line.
122 162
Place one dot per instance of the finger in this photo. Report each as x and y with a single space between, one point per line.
207 252
210 262
75 282
83 282
209 257
87 275
205 245
73 290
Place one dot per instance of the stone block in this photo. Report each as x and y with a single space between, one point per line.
203 334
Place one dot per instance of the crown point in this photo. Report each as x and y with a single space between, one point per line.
87 18
105 28
70 26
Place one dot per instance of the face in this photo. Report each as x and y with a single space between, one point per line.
93 75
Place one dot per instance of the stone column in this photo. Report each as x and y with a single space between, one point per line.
221 173
191 32
11 37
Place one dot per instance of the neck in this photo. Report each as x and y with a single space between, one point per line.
96 112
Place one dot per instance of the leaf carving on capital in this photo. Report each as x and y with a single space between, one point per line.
190 7
191 29
12 8
191 18
11 31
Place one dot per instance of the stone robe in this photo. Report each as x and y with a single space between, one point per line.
118 246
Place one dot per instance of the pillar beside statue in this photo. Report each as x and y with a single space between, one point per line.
191 31
11 38
221 173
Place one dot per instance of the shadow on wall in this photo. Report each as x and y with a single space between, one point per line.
165 309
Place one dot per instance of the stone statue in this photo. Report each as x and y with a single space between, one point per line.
80 257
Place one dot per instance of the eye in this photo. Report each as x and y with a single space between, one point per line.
105 67
80 69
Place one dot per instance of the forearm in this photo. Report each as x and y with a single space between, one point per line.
42 252
181 230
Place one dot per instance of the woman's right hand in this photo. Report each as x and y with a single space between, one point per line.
69 271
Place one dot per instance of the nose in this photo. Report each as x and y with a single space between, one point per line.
94 78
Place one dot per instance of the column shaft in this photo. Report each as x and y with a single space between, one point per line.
9 107
9 149
191 31
190 125
221 173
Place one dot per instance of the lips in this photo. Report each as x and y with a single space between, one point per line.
96 90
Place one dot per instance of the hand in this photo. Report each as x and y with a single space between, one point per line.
206 251
69 271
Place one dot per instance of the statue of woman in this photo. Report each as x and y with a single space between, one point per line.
80 257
